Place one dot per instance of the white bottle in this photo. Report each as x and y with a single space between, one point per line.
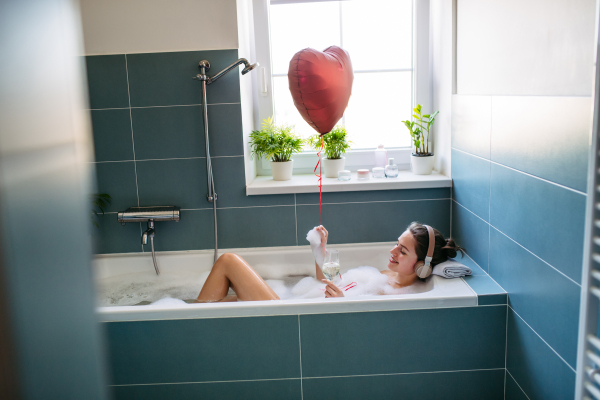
380 156
391 170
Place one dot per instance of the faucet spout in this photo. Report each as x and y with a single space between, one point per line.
149 232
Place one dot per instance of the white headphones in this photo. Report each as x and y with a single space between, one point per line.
423 268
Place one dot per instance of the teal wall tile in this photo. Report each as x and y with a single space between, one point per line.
538 215
471 233
204 350
539 371
372 222
194 231
472 124
112 135
118 180
256 227
255 390
471 183
513 391
179 183
461 385
353 347
546 136
164 79
545 298
107 81
373 195
112 237
225 129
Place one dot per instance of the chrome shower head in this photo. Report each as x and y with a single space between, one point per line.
249 67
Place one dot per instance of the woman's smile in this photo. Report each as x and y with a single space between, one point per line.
392 260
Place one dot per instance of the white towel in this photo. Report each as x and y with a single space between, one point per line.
451 269
319 252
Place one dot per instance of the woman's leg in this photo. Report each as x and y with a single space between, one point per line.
233 271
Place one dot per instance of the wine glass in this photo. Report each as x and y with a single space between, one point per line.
331 266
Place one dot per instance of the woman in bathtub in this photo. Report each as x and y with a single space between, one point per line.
232 271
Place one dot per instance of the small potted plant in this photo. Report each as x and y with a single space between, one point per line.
421 160
336 143
277 143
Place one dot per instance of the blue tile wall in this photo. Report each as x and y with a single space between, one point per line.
532 242
150 150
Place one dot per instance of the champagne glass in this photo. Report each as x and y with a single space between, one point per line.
331 266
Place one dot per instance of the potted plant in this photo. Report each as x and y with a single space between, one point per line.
336 143
421 160
277 143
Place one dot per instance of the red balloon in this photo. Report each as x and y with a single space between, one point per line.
321 84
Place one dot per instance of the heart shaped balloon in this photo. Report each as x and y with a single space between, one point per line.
321 84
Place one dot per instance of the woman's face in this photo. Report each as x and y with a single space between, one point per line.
403 256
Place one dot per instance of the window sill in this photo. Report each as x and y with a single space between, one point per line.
309 183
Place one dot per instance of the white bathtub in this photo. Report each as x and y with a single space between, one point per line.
272 263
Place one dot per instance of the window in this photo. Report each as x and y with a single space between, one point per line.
388 45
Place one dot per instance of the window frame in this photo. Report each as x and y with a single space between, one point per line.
355 158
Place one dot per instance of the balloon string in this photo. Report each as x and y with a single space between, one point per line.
320 177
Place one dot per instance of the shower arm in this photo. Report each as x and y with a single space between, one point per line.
210 79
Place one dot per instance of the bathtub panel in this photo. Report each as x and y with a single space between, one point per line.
546 219
545 298
374 195
204 350
472 233
164 79
388 342
254 390
461 385
118 180
471 183
256 227
372 222
513 391
107 81
112 135
230 185
112 237
539 371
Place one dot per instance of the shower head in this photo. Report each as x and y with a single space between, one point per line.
205 66
249 67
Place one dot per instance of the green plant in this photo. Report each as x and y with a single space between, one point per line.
419 129
100 201
277 143
336 142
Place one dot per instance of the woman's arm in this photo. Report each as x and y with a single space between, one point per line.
324 235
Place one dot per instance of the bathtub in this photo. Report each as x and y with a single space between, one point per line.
270 263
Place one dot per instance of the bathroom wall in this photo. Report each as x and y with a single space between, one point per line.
520 143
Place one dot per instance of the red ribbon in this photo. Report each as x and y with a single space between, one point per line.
320 177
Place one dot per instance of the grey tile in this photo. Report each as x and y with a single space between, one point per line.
230 185
472 124
112 135
118 180
484 285
539 215
225 129
543 297
256 227
107 80
471 183
354 350
462 385
373 222
471 233
161 79
112 237
255 390
168 132
204 350
545 136
374 195
513 391
179 183
539 371
194 231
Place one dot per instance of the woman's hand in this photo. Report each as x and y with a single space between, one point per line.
324 234
331 290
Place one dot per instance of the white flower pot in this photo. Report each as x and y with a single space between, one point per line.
282 170
332 167
421 165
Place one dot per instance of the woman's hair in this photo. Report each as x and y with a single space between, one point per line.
444 248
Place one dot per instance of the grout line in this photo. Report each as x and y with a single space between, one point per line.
489 276
167 106
137 192
193 383
523 172
300 349
163 159
168 159
472 290
279 205
296 218
513 378
471 212
403 373
375 201
551 348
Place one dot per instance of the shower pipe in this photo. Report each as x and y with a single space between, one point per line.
207 80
